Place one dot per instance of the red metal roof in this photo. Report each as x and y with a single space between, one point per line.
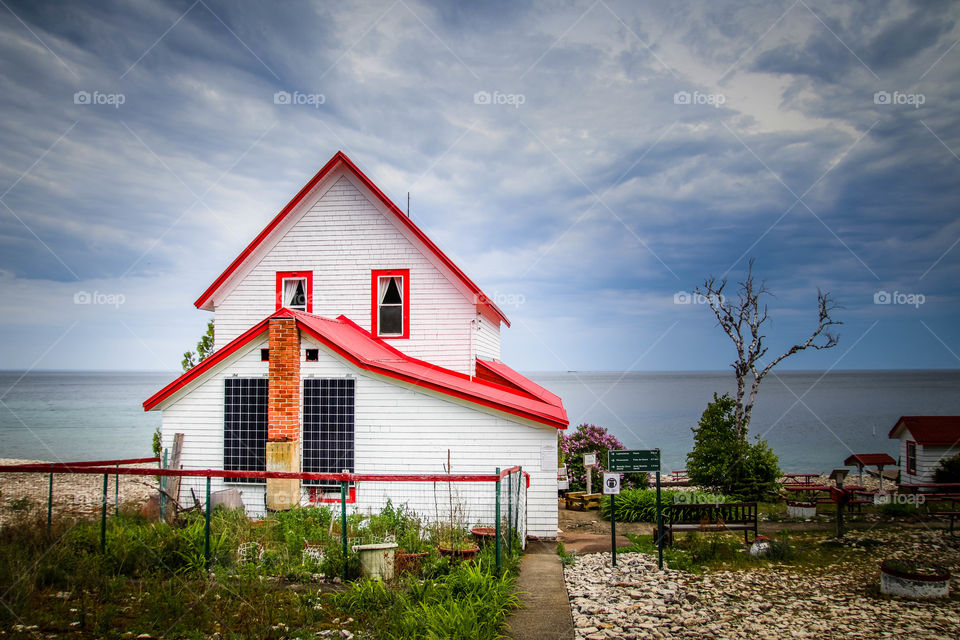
341 158
869 460
929 429
351 341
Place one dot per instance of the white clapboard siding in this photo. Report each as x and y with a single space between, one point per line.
399 429
341 238
487 338
197 413
928 459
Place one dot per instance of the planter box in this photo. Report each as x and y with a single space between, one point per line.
459 554
917 586
377 560
797 509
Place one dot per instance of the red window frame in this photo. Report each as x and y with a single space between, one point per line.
375 276
281 275
911 459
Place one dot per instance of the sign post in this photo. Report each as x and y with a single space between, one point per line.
589 462
637 461
611 487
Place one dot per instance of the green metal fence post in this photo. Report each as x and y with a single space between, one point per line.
103 517
206 529
343 524
50 504
516 515
497 523
163 489
509 512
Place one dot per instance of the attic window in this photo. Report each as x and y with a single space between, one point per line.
313 355
264 355
391 303
295 290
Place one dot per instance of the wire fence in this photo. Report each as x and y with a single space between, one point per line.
492 506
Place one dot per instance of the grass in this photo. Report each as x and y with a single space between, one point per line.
153 579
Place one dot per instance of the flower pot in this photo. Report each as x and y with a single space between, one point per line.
409 562
897 580
798 509
377 560
467 553
484 535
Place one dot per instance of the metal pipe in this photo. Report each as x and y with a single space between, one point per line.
206 528
497 525
103 517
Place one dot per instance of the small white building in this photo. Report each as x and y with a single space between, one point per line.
345 339
924 442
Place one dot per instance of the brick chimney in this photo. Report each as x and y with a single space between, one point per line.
283 412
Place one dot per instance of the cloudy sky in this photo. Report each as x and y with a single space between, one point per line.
585 162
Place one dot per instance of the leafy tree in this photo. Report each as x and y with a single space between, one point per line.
723 460
204 349
948 470
589 438
742 320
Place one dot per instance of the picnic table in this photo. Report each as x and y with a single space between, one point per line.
793 479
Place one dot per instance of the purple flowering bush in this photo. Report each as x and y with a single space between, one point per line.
589 438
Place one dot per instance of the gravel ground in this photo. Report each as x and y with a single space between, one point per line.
842 600
74 494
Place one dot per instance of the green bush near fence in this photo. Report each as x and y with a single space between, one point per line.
153 579
640 505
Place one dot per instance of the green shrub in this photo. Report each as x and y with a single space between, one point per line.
722 460
640 505
948 470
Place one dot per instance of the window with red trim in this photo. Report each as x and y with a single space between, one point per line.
912 458
390 303
295 290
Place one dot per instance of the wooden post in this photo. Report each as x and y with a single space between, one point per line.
173 485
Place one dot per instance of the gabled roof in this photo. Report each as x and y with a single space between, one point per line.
870 460
340 158
929 429
357 345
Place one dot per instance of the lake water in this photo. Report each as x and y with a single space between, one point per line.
98 415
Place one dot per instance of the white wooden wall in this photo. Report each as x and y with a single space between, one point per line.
400 429
487 338
928 459
341 237
198 415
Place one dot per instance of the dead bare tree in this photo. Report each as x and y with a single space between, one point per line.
742 319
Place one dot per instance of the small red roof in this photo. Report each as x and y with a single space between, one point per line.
341 158
929 429
351 341
870 460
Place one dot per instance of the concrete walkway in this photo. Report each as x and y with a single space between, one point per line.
546 613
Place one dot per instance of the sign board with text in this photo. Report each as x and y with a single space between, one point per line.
635 460
589 459
611 484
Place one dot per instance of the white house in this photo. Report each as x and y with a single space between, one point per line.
345 339
924 442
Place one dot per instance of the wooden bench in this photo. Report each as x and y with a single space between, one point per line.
733 516
582 501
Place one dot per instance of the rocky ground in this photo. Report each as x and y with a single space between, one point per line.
74 494
840 600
